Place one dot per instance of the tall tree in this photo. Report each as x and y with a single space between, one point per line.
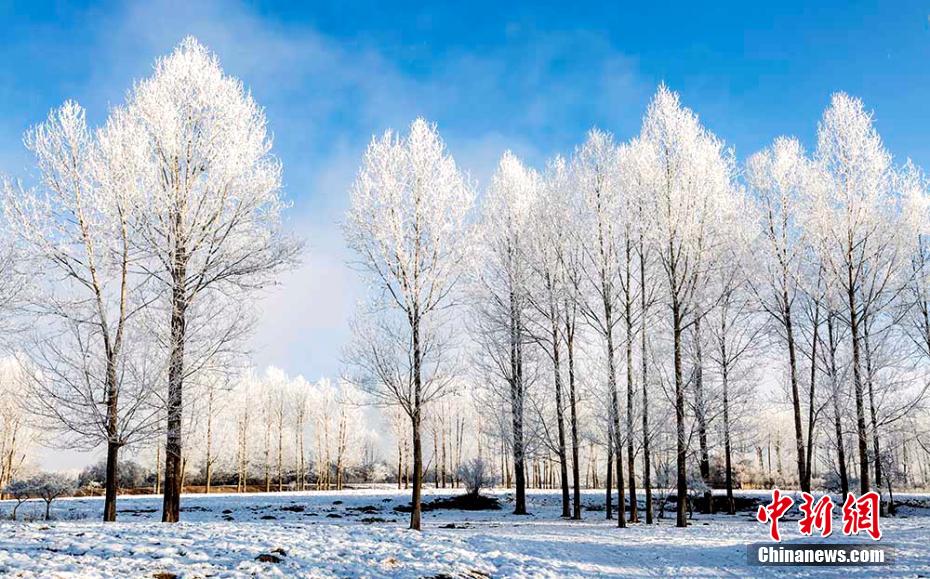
408 227
503 282
688 202
778 178
854 222
595 168
210 216
549 239
76 238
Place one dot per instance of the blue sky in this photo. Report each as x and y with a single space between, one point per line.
499 75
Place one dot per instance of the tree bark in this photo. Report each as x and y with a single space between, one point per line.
112 476
864 484
516 404
112 482
570 351
837 415
727 452
560 417
811 415
795 395
171 506
681 448
701 415
647 482
873 415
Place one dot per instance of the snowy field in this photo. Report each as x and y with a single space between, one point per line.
358 533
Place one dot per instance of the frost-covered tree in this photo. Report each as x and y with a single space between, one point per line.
209 224
408 228
75 235
50 486
855 226
779 178
550 289
503 277
595 169
689 204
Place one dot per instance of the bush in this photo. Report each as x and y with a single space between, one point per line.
21 491
45 486
50 486
475 474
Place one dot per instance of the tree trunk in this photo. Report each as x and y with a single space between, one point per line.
171 506
701 415
873 414
647 482
417 474
630 454
811 416
727 452
864 485
837 415
615 417
681 448
516 404
560 417
570 347
795 395
112 482
415 420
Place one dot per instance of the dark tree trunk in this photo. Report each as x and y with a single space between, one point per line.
516 403
112 482
615 417
647 482
861 432
171 506
560 416
701 413
416 493
837 415
630 454
681 519
811 416
112 479
727 450
795 394
576 475
873 415
415 422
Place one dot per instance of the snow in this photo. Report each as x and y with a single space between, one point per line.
358 533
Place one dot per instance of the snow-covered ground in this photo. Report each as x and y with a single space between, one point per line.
358 533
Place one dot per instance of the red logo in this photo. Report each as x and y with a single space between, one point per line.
817 516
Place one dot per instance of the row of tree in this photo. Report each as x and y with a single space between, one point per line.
662 280
653 297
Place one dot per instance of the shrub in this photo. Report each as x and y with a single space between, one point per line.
21 491
475 474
